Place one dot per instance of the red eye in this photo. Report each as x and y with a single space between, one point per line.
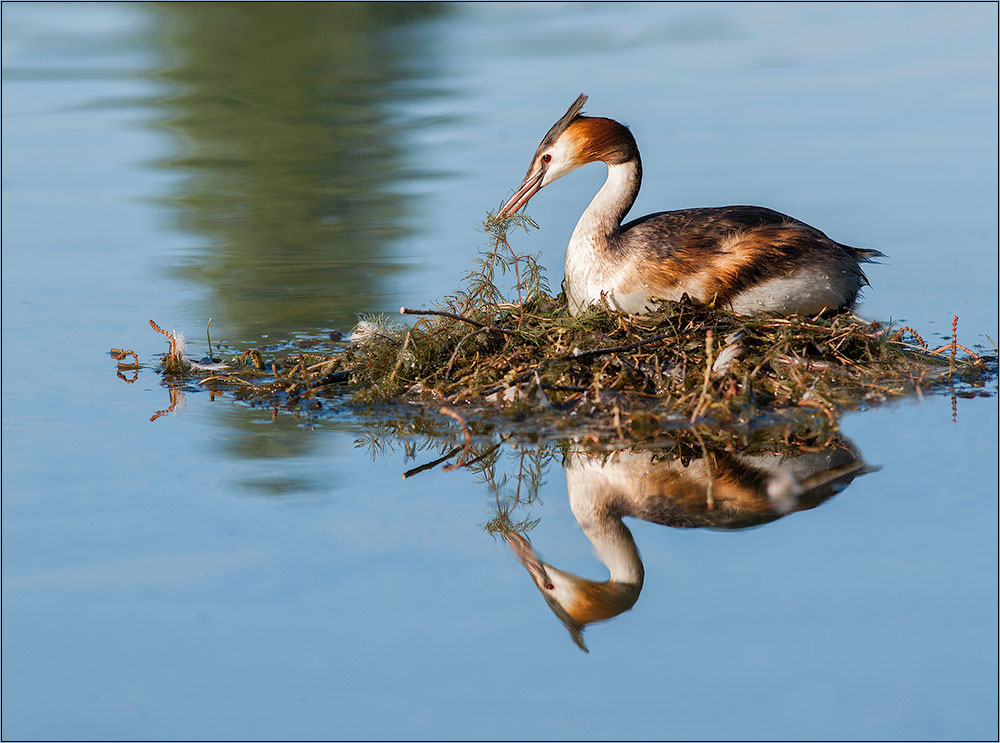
546 157
549 585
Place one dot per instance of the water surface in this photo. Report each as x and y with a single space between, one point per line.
219 573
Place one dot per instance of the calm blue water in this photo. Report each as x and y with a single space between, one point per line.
219 574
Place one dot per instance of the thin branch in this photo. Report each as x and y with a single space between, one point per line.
431 465
577 354
458 347
618 349
441 313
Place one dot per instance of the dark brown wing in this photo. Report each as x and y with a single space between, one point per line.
734 248
716 219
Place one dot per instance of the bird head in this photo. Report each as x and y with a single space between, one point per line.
576 601
574 140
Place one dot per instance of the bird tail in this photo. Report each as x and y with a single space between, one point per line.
864 255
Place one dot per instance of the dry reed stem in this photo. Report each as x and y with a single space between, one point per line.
441 313
708 377
898 335
119 354
233 380
254 355
173 340
458 347
402 353
954 342
952 347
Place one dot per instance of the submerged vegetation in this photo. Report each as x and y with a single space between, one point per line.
517 351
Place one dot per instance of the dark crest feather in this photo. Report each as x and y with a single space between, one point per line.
560 126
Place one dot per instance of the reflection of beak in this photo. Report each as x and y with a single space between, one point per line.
524 552
529 188
536 569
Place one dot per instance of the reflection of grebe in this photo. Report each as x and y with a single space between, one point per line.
747 258
735 492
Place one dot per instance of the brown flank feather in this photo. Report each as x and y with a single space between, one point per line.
728 250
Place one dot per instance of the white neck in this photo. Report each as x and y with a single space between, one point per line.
593 270
604 216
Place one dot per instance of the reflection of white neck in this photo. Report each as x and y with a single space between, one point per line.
603 489
588 492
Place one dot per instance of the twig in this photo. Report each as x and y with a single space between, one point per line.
954 342
458 347
399 356
577 354
254 355
306 385
119 354
898 335
617 349
708 376
953 346
231 379
431 465
442 313
173 340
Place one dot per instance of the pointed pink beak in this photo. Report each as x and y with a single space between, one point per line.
528 189
528 557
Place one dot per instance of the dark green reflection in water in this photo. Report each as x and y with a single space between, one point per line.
281 123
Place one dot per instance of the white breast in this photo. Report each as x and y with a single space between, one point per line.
591 278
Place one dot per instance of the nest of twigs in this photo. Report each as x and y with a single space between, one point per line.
520 351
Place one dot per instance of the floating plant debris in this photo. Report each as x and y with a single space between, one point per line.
519 352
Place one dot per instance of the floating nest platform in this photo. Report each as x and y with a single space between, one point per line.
484 355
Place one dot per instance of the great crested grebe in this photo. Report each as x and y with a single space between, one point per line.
734 491
744 258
